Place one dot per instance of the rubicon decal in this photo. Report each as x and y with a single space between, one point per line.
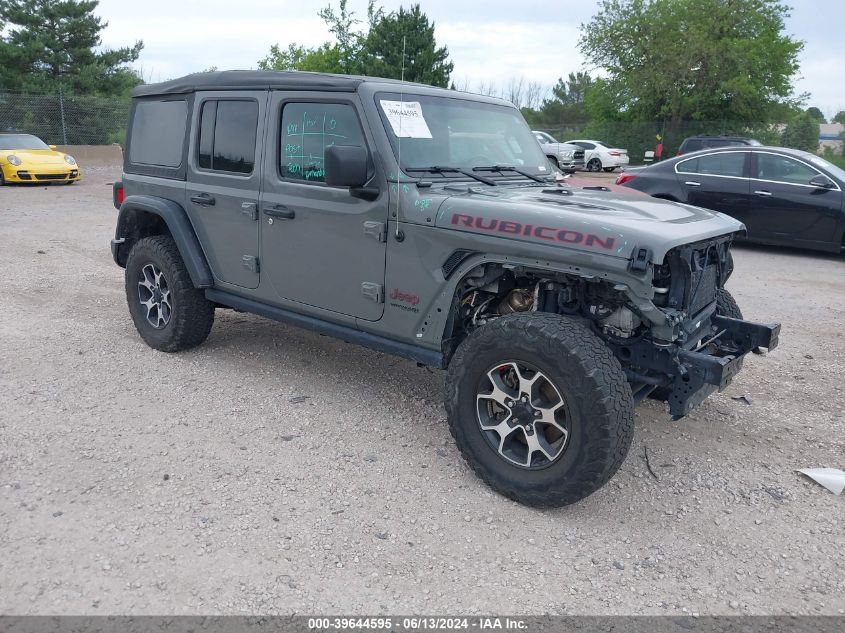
548 233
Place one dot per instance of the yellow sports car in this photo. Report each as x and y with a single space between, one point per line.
26 158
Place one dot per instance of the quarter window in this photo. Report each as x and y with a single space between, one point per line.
227 136
784 169
158 133
721 164
307 130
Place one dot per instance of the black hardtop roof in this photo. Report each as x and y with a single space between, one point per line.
262 80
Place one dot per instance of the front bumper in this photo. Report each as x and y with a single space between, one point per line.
44 174
701 372
686 377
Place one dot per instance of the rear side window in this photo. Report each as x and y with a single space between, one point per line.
721 164
158 133
307 130
226 139
693 145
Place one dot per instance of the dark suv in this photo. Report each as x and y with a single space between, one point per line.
704 141
427 223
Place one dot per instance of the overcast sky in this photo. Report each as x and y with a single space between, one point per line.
489 41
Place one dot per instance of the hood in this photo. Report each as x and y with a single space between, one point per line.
37 156
603 222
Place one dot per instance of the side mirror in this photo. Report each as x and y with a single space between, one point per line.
53 147
822 182
346 165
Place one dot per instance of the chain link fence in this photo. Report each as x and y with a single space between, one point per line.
65 119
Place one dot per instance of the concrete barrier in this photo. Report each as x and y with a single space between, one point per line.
94 154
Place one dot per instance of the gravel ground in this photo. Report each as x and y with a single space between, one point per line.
276 471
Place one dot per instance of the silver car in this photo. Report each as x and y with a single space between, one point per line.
565 156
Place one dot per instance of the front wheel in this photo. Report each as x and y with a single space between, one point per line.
594 165
554 161
169 313
539 408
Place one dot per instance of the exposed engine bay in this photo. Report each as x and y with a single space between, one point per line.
701 352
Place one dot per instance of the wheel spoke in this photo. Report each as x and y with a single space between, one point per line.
499 393
526 385
548 416
537 442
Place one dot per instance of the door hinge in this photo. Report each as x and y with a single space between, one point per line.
376 230
373 291
250 210
251 263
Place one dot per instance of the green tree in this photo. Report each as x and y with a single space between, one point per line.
376 51
687 60
49 45
323 59
839 118
814 112
802 132
423 61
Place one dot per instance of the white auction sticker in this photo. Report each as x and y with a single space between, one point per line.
406 119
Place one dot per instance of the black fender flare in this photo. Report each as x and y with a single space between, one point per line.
129 231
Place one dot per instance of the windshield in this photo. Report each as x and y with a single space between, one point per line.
457 133
21 141
836 172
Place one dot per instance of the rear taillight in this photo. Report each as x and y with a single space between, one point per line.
117 194
615 153
623 178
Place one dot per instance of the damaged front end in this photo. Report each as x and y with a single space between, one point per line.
693 350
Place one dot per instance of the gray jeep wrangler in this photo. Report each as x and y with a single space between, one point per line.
427 223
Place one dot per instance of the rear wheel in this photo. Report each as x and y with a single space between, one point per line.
594 165
539 408
169 313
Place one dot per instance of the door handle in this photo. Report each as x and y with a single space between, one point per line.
204 200
763 193
692 183
280 211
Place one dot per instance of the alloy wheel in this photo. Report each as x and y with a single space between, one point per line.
522 415
154 295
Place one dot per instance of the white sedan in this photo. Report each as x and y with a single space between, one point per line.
598 155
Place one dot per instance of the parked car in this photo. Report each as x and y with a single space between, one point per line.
25 158
565 156
360 208
599 155
705 141
783 196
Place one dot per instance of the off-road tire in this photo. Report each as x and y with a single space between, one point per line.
587 375
727 306
192 314
594 165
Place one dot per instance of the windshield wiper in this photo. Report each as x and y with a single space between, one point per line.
441 169
521 172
